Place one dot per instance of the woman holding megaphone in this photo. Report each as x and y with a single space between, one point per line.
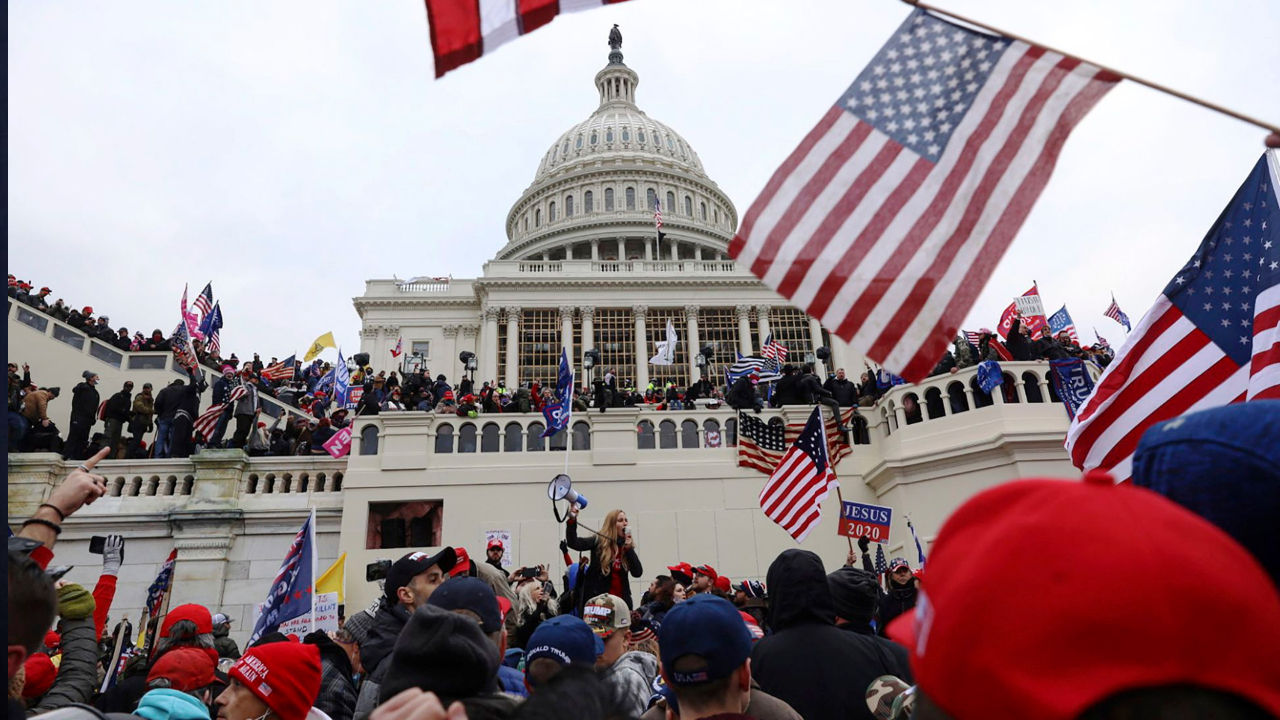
613 555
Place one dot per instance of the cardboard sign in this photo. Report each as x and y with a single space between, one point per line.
503 536
326 616
340 444
860 520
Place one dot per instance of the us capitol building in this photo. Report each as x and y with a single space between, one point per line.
582 269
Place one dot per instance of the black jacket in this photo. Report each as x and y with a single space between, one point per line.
742 396
337 697
118 406
896 602
1019 345
1049 349
84 402
594 582
375 651
189 396
811 389
167 402
820 670
844 391
788 391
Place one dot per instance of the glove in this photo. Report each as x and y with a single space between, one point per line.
864 543
112 555
564 546
74 602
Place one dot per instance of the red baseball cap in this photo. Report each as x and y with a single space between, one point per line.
198 614
495 543
706 570
681 569
462 565
723 584
1070 633
186 669
285 676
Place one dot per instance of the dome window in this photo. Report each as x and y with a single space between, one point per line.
608 135
626 135
650 199
704 212
641 136
579 143
551 212
608 199
688 206
631 198
537 217
588 202
717 216
670 145
568 206
671 202
566 146
594 137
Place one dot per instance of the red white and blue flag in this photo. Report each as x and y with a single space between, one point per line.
1114 312
773 350
204 301
292 593
160 586
282 370
208 420
793 495
211 329
399 348
1211 339
1061 321
889 218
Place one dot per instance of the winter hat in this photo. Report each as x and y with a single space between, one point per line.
752 589
52 640
641 630
198 614
442 652
565 639
87 374
186 669
473 594
854 592
1239 447
709 627
285 676
1150 627
40 674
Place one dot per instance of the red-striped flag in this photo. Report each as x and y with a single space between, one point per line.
204 301
208 420
793 495
1212 338
762 445
464 31
890 216
282 370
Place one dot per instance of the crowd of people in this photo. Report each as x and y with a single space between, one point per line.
1020 615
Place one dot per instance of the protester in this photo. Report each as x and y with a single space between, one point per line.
473 598
613 555
140 420
166 409
704 577
662 600
117 415
629 674
74 679
902 594
281 680
337 697
222 642
181 686
751 598
560 641
84 413
533 607
494 552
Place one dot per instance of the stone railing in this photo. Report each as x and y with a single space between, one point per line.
589 268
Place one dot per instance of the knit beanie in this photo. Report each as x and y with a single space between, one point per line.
40 674
285 676
74 602
853 591
442 652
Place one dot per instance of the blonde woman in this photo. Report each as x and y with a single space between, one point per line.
613 556
532 607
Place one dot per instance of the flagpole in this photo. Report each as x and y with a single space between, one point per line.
1272 127
311 524
840 497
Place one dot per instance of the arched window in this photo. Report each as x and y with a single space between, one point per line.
581 436
670 145
1010 388
644 435
566 146
667 435
1031 386
568 206
688 206
513 438
537 217
959 403
588 202
640 136
980 398
717 215
579 143
444 439
536 443
704 212
650 199
489 438
731 432
913 412
688 434
558 440
608 199
861 429
551 212
608 135
933 403
594 137
671 202
467 438
631 200
369 440
1053 391
626 135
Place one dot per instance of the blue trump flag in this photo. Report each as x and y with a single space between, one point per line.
292 593
886 379
558 413
989 376
1071 380
341 382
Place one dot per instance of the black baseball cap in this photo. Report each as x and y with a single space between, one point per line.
416 563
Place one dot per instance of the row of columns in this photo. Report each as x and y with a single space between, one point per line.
639 314
620 247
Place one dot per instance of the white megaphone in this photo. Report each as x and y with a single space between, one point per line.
561 488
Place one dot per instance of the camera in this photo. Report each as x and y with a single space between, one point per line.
377 570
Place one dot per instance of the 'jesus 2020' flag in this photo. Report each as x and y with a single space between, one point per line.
558 413
889 218
292 594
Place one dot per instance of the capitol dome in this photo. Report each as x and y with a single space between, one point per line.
599 181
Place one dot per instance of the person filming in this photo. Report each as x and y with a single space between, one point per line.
613 555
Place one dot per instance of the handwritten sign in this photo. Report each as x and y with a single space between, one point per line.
504 537
862 520
326 616
340 444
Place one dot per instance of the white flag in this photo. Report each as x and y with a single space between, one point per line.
666 348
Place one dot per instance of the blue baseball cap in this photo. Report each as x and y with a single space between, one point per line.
709 627
468 593
565 639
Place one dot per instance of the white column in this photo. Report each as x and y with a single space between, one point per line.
648 248
744 330
622 250
588 328
450 353
762 322
566 331
489 346
815 337
639 313
595 249
697 252
513 347
691 330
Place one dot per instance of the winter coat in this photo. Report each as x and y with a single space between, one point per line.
249 404
788 392
944 365
895 602
1050 349
656 611
375 651
631 680
222 642
144 408
497 579
189 396
1019 345
78 672
118 406
810 389
35 406
84 402
166 403
964 354
595 582
742 396
337 697
818 669
222 388
169 704
527 623
844 391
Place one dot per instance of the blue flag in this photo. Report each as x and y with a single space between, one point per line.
559 412
1071 380
989 376
886 379
212 322
341 382
1060 321
919 550
291 593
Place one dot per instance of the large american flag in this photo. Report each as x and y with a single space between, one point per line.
761 445
282 370
1114 312
773 349
793 495
888 219
208 420
1212 338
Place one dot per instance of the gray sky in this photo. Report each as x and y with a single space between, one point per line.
288 151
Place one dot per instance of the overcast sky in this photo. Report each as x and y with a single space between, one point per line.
288 151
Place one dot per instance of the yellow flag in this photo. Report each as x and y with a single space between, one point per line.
317 347
332 579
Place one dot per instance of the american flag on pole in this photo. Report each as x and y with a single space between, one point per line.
761 445
1212 337
1115 313
208 420
888 219
773 349
399 348
160 586
211 328
793 495
204 301
464 31
282 370
657 214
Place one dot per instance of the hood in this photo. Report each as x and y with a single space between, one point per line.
167 704
798 591
387 624
635 661
331 653
442 652
222 630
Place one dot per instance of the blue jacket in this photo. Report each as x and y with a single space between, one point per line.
168 704
512 681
